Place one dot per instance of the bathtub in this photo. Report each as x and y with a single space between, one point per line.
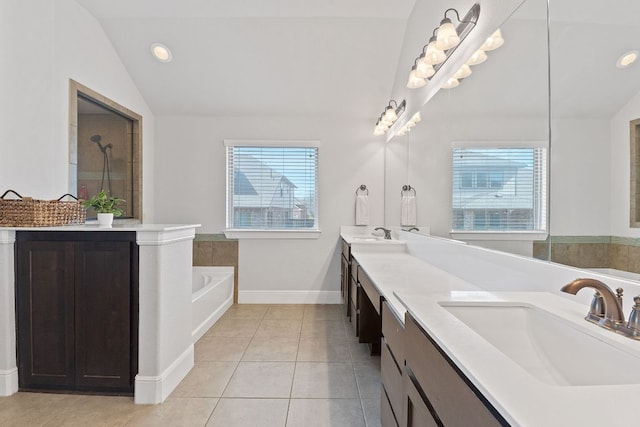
211 296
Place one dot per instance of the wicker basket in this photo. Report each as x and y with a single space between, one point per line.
27 212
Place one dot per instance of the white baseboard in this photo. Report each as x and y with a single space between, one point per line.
9 382
150 390
201 329
289 297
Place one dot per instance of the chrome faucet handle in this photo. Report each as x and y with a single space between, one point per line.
634 317
597 306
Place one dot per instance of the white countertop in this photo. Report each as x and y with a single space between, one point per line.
93 226
521 398
411 284
399 271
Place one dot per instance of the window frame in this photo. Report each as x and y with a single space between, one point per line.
538 234
260 233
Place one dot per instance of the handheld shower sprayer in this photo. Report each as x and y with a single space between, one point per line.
106 165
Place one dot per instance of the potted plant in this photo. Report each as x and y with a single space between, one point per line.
105 206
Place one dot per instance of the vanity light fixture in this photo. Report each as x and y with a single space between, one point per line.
627 59
478 57
161 52
389 117
493 42
451 83
441 45
411 123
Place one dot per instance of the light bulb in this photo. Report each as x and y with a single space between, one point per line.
463 72
390 114
433 55
423 69
378 131
447 35
416 117
494 41
477 58
414 80
451 83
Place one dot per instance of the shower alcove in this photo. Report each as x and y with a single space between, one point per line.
105 149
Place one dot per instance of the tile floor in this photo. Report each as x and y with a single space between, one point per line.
260 365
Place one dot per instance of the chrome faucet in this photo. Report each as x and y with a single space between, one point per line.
612 302
387 232
413 228
606 307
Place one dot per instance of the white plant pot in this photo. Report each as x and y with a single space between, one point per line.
105 219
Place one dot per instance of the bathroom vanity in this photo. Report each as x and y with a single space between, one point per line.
472 336
118 298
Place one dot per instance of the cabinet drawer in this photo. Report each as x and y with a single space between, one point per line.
386 414
353 293
355 319
346 249
393 332
455 400
354 269
416 412
369 289
391 380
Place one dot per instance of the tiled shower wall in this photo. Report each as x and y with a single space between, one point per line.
217 250
620 253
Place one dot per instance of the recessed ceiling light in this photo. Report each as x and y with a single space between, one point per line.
161 52
627 59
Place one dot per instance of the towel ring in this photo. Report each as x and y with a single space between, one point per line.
362 188
407 189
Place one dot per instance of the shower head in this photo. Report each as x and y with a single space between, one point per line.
96 138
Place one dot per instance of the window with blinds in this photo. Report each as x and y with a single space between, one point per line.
272 188
499 189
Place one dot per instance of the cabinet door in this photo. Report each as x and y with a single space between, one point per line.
44 292
103 315
344 286
416 413
454 399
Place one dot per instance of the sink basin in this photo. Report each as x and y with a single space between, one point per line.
366 238
551 349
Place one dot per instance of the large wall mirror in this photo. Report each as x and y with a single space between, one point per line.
557 78
105 149
504 100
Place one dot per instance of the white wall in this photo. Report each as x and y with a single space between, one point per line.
580 171
44 44
620 169
190 187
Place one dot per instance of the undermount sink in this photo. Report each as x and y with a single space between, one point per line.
549 348
367 238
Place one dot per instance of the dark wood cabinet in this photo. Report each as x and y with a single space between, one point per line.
77 305
370 322
434 385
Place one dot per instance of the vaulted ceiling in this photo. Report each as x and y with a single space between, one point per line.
259 57
338 58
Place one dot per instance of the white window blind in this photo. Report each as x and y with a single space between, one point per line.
499 189
272 188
